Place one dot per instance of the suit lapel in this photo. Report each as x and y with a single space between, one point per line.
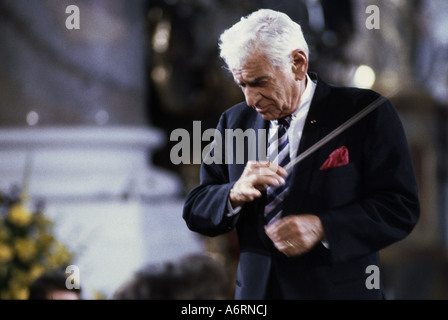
256 123
312 132
261 126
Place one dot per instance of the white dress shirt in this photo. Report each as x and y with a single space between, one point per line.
298 119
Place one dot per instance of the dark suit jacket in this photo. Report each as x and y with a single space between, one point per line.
364 206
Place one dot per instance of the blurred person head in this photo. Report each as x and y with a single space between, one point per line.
194 277
268 57
52 286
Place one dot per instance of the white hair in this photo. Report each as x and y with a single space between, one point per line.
263 31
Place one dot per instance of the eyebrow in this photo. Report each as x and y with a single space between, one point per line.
254 82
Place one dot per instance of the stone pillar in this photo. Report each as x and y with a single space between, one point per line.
73 112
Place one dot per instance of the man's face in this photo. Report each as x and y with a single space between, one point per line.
272 91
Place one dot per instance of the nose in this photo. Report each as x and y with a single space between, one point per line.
252 96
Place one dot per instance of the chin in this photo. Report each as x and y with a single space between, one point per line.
267 117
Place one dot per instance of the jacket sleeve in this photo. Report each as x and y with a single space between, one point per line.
205 207
389 207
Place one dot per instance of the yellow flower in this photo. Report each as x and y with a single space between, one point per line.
60 255
4 233
19 215
43 222
97 295
6 253
25 249
45 240
18 291
21 293
36 271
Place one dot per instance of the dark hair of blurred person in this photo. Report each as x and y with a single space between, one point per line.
193 277
52 286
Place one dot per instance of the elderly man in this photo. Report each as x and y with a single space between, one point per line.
313 231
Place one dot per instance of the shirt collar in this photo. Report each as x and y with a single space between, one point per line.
305 99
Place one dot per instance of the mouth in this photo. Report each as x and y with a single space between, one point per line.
261 109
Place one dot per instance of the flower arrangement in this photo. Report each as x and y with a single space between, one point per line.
28 247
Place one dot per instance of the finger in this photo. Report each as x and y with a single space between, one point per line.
281 171
280 230
244 191
266 172
270 168
247 193
257 164
259 181
272 229
286 247
263 163
275 236
280 246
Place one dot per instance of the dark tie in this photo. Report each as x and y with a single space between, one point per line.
278 153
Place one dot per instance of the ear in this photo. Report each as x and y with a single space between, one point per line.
299 64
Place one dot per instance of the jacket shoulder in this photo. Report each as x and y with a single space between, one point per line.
344 102
239 109
239 115
352 95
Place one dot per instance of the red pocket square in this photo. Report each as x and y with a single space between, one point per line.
337 158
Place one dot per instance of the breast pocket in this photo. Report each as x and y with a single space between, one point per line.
336 186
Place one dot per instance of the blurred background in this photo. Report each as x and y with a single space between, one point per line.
86 116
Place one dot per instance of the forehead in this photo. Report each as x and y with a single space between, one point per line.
254 67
